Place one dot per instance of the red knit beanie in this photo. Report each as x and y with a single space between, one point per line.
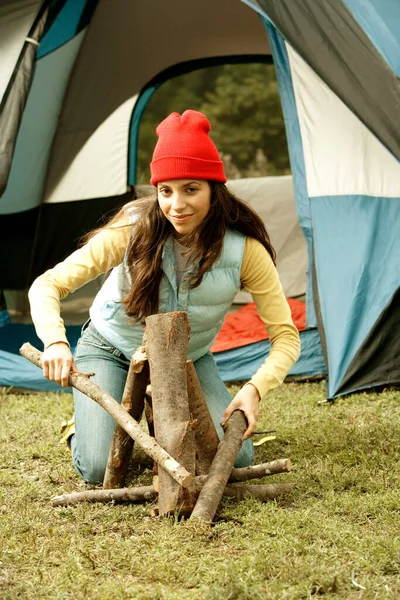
184 150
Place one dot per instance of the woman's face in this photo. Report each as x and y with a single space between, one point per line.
185 203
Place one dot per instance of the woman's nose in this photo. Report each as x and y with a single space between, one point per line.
177 201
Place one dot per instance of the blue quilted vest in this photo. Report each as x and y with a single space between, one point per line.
206 305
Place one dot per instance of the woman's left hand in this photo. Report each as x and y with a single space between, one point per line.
247 400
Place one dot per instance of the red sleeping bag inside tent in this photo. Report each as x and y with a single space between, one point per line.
245 326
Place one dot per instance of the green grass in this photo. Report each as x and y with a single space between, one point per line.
342 518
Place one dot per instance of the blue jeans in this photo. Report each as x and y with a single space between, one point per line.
95 427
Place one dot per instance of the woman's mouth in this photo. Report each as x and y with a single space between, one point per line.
180 218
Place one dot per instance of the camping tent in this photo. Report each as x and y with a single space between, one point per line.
75 78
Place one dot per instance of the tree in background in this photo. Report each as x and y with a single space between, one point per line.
241 101
175 95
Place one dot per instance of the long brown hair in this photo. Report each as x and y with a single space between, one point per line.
151 230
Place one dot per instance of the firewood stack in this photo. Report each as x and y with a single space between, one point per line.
196 469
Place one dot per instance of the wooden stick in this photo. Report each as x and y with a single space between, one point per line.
122 444
135 494
281 465
167 336
267 491
221 468
206 436
132 427
149 493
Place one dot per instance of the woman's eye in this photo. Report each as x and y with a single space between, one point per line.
192 189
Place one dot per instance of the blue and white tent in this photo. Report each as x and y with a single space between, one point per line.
75 78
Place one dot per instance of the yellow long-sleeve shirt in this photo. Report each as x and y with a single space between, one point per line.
107 249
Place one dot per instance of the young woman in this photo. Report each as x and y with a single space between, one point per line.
190 247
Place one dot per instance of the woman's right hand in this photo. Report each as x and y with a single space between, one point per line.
58 363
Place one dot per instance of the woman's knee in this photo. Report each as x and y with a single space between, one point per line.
91 466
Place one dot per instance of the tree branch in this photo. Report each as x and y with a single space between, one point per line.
221 468
122 444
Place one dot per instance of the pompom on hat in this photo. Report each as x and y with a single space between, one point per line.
184 150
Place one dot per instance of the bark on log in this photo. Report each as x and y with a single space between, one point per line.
206 436
144 493
167 336
149 493
221 468
148 411
122 444
132 427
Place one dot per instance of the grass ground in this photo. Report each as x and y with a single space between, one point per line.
337 536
